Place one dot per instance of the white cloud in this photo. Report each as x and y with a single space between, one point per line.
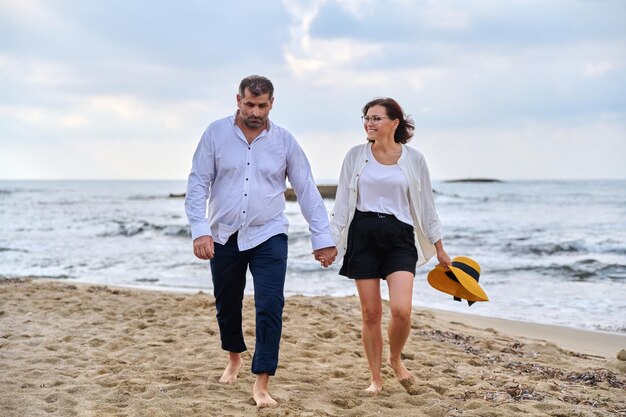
125 107
144 114
307 56
73 121
484 78
358 8
32 72
598 69
319 56
31 12
439 15
99 159
534 150
417 79
26 114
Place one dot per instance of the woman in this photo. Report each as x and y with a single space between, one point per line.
385 224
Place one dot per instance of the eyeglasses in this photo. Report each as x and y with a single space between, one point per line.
373 120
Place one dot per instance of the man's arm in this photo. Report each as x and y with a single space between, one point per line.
310 201
198 189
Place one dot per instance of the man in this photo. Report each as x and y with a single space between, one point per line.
240 166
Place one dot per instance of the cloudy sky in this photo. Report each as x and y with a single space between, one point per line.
121 89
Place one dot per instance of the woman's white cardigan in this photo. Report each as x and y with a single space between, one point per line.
422 202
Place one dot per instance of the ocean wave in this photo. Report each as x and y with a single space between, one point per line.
306 265
147 197
13 250
30 276
554 248
613 246
612 329
585 269
519 246
297 236
448 198
151 280
135 228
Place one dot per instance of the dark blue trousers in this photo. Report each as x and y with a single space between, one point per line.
268 265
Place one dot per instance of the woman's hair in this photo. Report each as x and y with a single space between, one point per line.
405 129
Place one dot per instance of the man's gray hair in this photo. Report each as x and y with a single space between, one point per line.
257 85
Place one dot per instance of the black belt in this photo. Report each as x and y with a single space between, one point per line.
358 213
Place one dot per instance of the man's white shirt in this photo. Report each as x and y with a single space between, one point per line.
245 184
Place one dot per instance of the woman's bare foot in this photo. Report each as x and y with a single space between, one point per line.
398 367
374 388
232 369
260 393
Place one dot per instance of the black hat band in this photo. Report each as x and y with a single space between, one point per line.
467 269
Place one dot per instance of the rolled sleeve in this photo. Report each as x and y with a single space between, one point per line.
323 240
430 219
198 187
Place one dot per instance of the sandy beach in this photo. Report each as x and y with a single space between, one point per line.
82 350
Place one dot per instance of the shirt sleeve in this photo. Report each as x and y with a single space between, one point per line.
340 212
430 219
199 186
308 196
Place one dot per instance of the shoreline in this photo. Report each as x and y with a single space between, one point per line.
568 336
93 350
454 315
585 341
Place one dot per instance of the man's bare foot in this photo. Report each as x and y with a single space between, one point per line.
263 399
398 367
374 388
232 370
260 394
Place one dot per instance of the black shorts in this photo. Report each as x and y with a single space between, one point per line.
378 245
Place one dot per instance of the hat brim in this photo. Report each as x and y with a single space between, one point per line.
467 288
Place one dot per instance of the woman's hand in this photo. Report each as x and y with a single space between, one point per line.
442 256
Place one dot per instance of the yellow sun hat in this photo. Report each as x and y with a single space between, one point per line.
461 281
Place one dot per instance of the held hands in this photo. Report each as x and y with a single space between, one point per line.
325 256
203 247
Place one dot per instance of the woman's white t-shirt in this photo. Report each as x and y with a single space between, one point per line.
383 189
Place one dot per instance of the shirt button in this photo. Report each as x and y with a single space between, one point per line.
244 212
248 163
245 195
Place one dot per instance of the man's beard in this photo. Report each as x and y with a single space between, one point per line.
254 122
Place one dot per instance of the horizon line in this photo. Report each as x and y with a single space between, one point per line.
323 181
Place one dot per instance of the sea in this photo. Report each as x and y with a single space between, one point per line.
550 251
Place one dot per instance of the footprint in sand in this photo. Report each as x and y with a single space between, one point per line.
328 334
412 388
346 403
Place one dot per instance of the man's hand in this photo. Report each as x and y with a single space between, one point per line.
326 256
203 247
